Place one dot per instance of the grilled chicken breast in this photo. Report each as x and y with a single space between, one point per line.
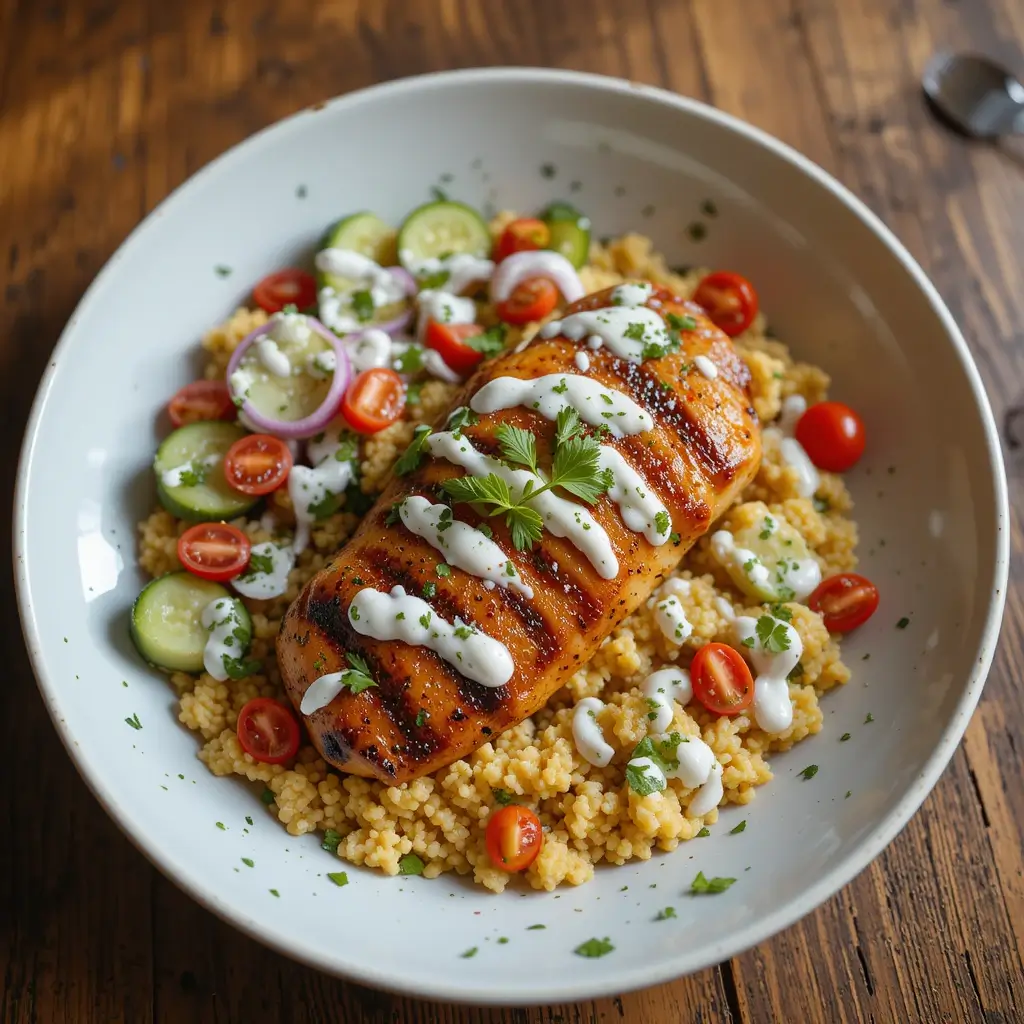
700 447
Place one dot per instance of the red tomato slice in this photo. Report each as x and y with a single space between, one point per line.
514 838
523 235
532 300
288 287
832 435
201 400
374 400
845 601
268 731
450 342
729 301
257 464
214 551
721 679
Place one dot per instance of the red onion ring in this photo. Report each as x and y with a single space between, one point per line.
399 323
315 421
521 266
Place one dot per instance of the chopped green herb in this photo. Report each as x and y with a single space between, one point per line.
222 271
780 611
260 563
822 504
697 231
844 737
413 455
593 948
221 826
662 522
489 342
357 677
436 280
411 360
460 419
536 927
772 634
248 862
274 892
741 827
362 305
664 915
339 878
675 539
869 718
809 772
410 864
903 623
443 570
421 717
681 323
330 840
849 793
134 722
267 796
429 589
634 331
502 940
471 952
704 833
248 820
502 797
710 885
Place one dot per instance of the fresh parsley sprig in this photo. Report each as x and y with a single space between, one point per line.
357 677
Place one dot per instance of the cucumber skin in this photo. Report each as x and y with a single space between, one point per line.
191 515
143 647
563 221
485 241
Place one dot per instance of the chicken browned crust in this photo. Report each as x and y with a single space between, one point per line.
423 713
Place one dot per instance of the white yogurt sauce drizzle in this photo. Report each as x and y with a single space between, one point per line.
401 616
582 361
662 688
437 367
462 268
773 710
261 585
522 266
641 509
800 575
221 618
370 348
322 364
272 358
443 307
705 367
174 477
792 451
596 403
462 545
587 734
335 309
632 293
672 620
321 692
697 768
561 517
310 486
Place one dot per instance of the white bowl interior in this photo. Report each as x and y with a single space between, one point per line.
929 499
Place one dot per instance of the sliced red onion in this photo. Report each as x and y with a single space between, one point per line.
315 421
521 266
396 325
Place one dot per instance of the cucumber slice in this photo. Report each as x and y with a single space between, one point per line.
570 232
440 229
166 624
364 233
196 451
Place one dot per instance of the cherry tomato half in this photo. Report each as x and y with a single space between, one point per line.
450 342
268 731
288 287
832 435
514 838
845 601
257 464
374 400
214 551
201 400
523 235
729 300
721 679
532 300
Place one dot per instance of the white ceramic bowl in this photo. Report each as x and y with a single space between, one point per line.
931 503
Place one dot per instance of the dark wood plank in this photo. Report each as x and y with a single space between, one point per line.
127 100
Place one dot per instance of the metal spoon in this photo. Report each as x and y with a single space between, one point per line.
975 95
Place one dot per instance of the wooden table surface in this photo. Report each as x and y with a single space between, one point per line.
106 106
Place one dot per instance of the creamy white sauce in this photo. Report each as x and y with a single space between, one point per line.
641 509
594 343
662 688
173 477
800 575
272 358
582 361
632 293
587 734
728 552
262 585
240 381
790 449
649 770
561 517
697 768
705 367
463 269
672 620
309 486
610 326
322 364
773 710
462 545
710 794
437 367
336 307
321 692
596 403
221 618
372 348
291 328
443 307
522 266
401 616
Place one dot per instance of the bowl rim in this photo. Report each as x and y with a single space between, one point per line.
609 982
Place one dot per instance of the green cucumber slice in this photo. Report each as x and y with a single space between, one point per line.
570 232
166 623
202 494
435 230
364 233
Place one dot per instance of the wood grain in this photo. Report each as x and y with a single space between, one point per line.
106 106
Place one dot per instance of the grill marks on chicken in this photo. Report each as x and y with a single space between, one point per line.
703 447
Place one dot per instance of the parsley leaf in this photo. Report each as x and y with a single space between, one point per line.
339 878
662 522
258 564
330 840
634 331
410 864
710 885
517 446
809 772
489 342
576 468
411 360
738 828
664 915
357 678
704 833
642 780
525 526
362 305
241 668
593 948
502 797
443 570
567 424
134 722
413 455
461 418
421 717
681 323
772 634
